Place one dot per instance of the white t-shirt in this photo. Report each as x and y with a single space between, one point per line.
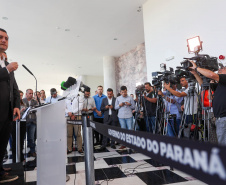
191 101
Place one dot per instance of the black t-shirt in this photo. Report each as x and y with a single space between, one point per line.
219 100
150 108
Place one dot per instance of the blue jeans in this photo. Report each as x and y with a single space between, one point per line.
150 123
221 130
126 123
31 127
171 129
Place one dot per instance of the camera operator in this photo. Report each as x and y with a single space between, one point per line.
206 98
219 100
150 103
173 106
190 100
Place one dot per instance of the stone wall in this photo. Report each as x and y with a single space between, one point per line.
131 69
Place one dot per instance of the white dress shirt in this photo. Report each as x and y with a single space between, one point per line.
75 106
110 103
2 63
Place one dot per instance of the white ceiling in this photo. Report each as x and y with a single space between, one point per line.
50 53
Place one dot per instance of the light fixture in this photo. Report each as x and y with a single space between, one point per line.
115 39
67 29
194 45
5 18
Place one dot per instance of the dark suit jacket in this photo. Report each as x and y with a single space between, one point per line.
106 111
9 95
31 117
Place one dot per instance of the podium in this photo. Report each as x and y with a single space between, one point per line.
51 144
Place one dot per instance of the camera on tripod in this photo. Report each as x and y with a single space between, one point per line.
202 61
166 76
140 89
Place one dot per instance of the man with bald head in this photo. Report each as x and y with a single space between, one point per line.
9 102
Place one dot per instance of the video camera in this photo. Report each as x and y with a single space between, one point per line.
203 61
166 76
140 89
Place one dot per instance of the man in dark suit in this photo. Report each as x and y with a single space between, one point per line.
110 115
9 103
31 122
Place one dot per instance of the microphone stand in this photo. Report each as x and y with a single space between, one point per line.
36 83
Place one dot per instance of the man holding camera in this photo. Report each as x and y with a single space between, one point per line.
190 100
219 102
173 107
150 103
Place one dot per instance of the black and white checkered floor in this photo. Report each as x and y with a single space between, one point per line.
117 167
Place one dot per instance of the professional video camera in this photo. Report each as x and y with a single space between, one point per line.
140 89
203 61
164 76
156 79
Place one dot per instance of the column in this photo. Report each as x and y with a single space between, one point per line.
83 78
109 73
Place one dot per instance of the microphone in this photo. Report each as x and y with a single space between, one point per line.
35 80
27 69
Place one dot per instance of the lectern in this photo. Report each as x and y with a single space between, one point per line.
51 144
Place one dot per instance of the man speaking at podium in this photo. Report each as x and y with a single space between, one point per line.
9 102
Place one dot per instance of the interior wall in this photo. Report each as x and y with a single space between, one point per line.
93 82
131 69
168 25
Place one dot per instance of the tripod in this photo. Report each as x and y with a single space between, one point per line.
159 120
170 119
207 110
189 110
140 102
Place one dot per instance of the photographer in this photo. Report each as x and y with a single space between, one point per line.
190 100
150 102
206 98
219 100
173 106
